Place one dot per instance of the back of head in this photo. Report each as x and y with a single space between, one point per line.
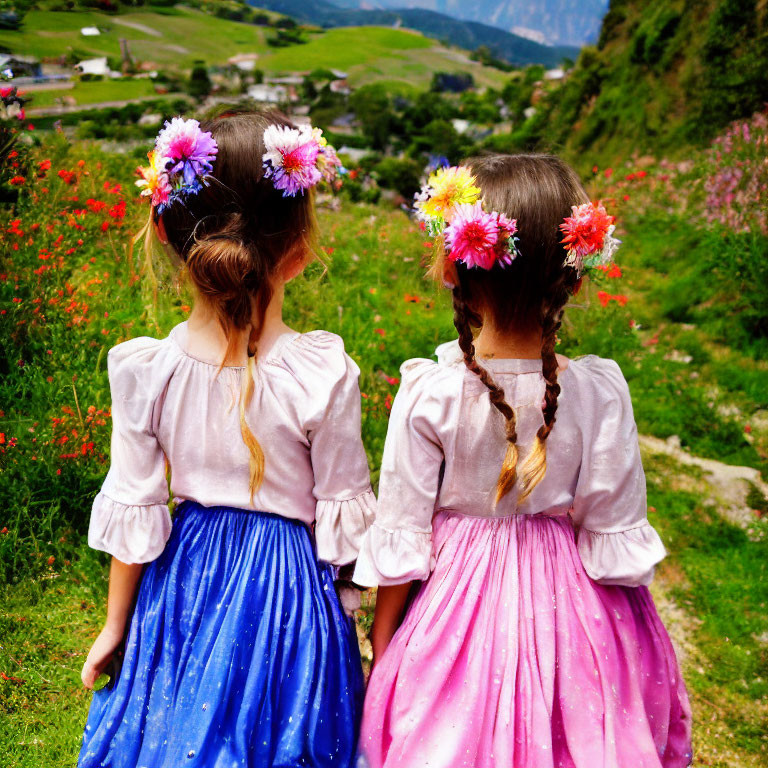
538 192
238 229
527 293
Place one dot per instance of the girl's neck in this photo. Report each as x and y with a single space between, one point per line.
207 339
509 344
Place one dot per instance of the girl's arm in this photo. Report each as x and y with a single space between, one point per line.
390 607
123 580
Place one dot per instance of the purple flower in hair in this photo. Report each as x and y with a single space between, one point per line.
189 153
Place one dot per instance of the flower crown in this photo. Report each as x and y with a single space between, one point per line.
182 160
450 205
298 158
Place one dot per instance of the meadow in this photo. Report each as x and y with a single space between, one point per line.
676 314
173 38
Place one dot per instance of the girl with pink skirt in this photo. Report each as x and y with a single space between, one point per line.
514 627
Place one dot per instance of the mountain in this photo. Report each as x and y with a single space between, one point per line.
664 74
470 35
553 22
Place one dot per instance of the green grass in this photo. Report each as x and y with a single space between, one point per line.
184 35
94 92
369 54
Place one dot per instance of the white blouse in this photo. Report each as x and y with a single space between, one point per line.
170 407
445 447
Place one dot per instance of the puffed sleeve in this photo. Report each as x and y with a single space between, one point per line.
398 546
345 502
130 517
616 542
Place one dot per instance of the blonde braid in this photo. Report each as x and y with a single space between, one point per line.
508 474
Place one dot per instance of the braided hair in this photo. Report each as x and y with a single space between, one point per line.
530 294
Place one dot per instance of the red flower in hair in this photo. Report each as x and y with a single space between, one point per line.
586 229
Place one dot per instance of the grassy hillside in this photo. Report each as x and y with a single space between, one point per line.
168 36
664 74
370 54
462 33
174 38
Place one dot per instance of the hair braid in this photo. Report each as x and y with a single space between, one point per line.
461 319
535 465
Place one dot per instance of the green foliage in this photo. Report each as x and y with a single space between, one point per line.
662 74
199 83
286 37
401 175
373 108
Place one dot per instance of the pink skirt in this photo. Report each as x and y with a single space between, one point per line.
511 656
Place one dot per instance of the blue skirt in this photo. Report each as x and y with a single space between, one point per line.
238 655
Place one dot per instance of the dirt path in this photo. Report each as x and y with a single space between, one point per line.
137 26
730 485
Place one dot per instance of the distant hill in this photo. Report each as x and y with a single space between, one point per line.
464 34
664 74
554 22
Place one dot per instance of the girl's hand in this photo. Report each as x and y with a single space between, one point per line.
100 655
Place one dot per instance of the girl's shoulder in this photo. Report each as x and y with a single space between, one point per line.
316 360
599 380
424 379
143 363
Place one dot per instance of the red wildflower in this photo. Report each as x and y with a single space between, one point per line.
68 177
603 297
614 271
104 226
380 331
17 181
118 212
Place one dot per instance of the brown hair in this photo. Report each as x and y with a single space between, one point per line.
531 293
234 234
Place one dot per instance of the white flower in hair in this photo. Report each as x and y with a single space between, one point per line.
290 159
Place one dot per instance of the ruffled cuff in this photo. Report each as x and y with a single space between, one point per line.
341 525
394 557
131 533
626 558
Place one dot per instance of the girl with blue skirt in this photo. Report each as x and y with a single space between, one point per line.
235 650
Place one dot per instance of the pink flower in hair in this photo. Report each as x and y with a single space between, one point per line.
290 159
479 239
586 229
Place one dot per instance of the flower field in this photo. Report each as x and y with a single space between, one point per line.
684 313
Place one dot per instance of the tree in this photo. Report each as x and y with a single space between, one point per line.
199 83
373 108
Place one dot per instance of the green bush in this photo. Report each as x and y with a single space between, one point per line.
404 175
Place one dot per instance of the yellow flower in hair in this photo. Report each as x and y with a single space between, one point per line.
153 180
447 188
